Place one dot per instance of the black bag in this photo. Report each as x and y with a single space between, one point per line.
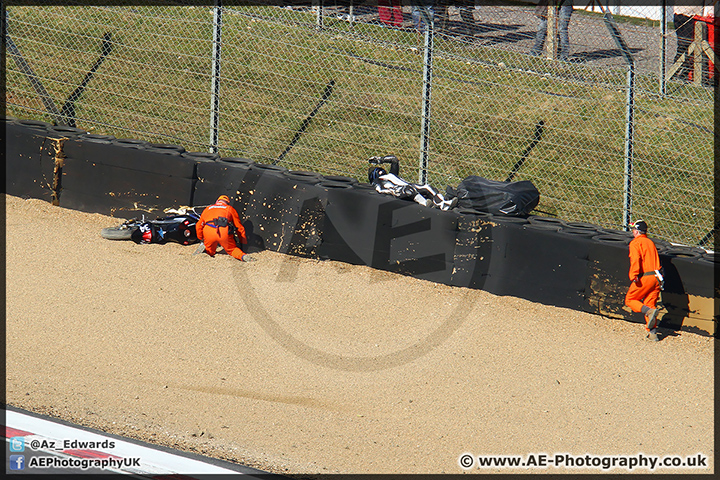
499 198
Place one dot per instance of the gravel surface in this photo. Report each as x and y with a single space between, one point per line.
591 43
513 27
300 366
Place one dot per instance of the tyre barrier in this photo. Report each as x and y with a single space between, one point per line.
546 260
221 177
30 159
543 226
167 147
93 137
538 264
607 280
130 142
690 291
37 124
286 217
341 179
578 233
365 186
66 131
364 227
199 155
163 151
125 177
583 226
303 177
549 222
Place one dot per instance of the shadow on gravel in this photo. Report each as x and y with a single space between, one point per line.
664 332
602 54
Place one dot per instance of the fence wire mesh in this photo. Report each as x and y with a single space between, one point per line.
325 87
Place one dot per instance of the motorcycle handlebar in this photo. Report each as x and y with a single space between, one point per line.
380 160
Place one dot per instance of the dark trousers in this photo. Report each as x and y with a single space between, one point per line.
685 31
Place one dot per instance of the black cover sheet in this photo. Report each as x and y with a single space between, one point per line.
499 198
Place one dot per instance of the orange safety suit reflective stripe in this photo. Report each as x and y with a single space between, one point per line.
212 235
645 289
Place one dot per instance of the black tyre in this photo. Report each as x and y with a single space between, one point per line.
268 167
546 221
164 151
123 232
578 232
301 176
547 227
584 226
35 124
365 186
201 155
130 142
711 258
241 161
168 146
331 184
619 240
508 219
67 131
340 179
682 252
94 137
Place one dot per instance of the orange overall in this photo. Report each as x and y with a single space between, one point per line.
214 227
645 286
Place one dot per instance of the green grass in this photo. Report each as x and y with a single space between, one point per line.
155 85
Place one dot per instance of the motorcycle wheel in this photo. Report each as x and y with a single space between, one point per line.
123 232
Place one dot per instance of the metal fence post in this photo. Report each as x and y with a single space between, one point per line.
427 87
629 136
629 116
663 46
318 7
215 79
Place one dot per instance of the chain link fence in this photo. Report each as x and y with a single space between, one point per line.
323 88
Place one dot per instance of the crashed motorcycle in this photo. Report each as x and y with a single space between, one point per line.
178 226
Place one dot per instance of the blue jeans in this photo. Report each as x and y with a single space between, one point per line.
563 22
417 16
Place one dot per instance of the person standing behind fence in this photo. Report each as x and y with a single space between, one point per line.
684 20
565 10
390 12
467 9
417 15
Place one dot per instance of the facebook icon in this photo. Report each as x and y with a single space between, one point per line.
17 462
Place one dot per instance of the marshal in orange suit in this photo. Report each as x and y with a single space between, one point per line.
217 225
646 277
